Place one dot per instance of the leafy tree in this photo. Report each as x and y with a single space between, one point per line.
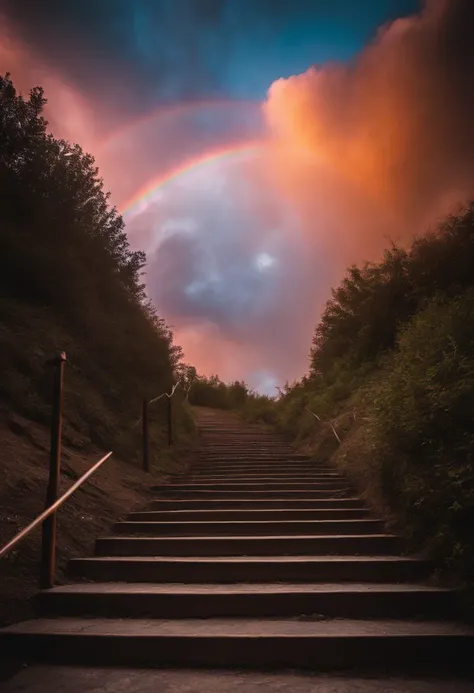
69 279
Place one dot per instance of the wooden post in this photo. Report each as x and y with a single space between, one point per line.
170 422
48 545
145 437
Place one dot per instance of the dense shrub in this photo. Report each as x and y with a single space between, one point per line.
212 392
423 410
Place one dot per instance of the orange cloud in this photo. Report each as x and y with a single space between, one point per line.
384 145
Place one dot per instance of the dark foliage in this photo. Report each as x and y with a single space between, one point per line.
69 280
392 368
212 392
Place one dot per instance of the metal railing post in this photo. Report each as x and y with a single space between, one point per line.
48 547
170 422
145 438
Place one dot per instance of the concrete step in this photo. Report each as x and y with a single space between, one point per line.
258 515
257 479
299 492
255 503
294 545
250 528
243 449
317 569
257 444
284 463
254 468
263 442
246 486
240 434
175 600
251 457
253 477
330 644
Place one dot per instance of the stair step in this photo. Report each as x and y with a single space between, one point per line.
259 515
244 487
255 503
280 493
251 457
255 477
377 544
380 569
250 527
327 644
254 468
175 600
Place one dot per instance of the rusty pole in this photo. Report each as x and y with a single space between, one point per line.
48 544
145 438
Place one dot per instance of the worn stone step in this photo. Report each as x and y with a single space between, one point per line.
250 527
175 600
263 442
242 514
253 477
231 479
246 464
251 457
300 492
329 644
253 447
226 569
255 503
376 544
224 450
246 486
254 468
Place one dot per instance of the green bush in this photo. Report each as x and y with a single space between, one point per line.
423 410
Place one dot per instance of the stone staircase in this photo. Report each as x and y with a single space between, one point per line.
257 558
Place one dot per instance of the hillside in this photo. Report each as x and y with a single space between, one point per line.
389 396
69 281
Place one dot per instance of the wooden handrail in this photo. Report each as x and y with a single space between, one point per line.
144 419
52 508
328 422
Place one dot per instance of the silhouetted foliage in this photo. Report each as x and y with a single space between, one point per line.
69 280
212 392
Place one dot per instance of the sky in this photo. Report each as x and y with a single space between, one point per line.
256 148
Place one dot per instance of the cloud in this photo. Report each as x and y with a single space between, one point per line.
242 255
392 130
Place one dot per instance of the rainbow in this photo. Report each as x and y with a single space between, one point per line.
173 111
228 155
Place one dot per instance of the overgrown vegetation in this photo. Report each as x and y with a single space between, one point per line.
69 280
212 392
392 375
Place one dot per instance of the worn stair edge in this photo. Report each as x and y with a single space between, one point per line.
279 485
399 645
123 600
250 527
375 569
374 544
243 514
253 503
164 491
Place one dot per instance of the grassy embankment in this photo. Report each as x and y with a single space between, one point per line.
392 368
